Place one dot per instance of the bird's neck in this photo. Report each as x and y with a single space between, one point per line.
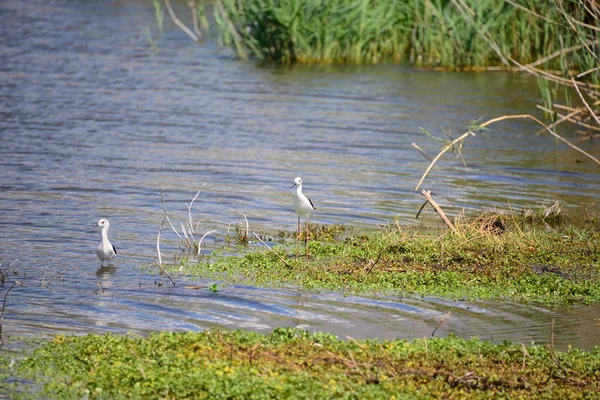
299 190
105 234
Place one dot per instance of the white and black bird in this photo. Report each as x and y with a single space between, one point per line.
304 207
105 250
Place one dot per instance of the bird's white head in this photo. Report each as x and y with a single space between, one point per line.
297 181
103 222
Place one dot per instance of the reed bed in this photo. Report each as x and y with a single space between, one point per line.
434 33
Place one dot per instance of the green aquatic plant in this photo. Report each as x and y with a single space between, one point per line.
290 363
498 256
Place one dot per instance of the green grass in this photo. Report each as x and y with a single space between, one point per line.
295 364
541 265
427 32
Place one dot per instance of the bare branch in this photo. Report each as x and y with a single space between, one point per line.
585 102
179 23
439 211
502 118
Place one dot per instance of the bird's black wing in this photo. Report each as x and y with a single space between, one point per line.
311 204
114 249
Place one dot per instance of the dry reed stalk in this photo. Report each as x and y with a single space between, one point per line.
194 9
569 117
179 23
422 152
498 119
438 210
441 321
481 29
162 200
246 220
585 102
274 252
158 241
201 239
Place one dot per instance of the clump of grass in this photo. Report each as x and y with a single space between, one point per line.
291 363
321 232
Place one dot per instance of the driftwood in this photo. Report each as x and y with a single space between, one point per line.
438 209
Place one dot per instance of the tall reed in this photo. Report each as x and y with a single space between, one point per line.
441 33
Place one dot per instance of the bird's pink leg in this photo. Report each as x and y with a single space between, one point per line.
306 237
298 237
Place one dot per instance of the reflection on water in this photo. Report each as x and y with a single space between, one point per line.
94 123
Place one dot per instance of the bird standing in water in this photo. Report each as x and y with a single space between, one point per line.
304 207
105 250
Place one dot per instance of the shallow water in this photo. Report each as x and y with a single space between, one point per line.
95 123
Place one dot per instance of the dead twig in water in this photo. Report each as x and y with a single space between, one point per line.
162 200
498 119
4 305
201 239
164 271
2 271
440 323
46 283
438 210
158 241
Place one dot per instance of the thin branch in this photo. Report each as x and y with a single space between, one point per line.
440 323
4 305
422 152
585 102
179 23
529 11
193 7
274 252
438 210
482 31
494 120
162 200
189 208
557 53
568 117
164 271
589 71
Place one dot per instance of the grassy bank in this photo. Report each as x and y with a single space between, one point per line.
519 263
292 363
446 33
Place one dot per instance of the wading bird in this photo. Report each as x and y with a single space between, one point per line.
303 206
105 250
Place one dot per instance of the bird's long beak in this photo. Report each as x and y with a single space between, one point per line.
294 185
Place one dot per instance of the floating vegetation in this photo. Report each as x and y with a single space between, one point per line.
290 363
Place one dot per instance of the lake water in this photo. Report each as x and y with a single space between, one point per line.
95 122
